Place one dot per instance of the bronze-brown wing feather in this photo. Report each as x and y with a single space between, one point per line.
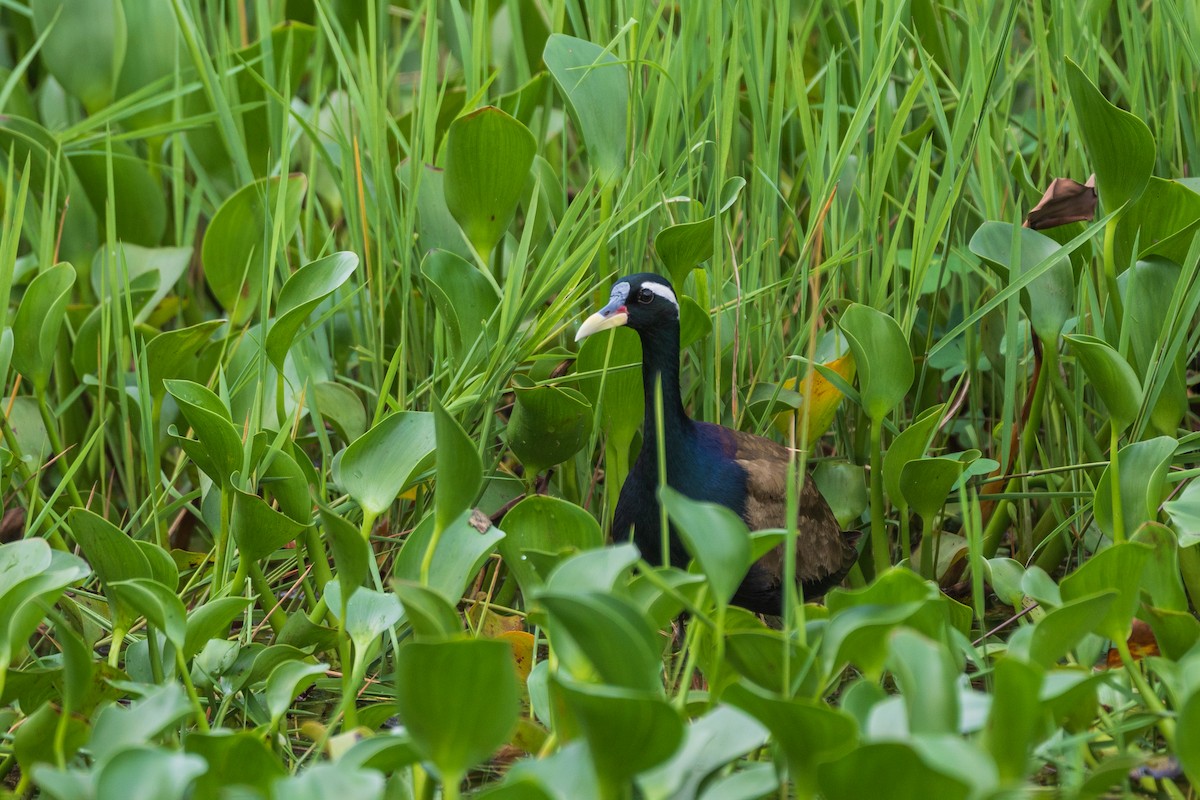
824 553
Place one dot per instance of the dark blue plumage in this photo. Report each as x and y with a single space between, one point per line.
743 472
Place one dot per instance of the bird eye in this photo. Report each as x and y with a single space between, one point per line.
645 295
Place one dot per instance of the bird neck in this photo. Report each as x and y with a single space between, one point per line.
660 362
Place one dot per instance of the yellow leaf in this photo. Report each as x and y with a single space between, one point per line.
522 647
822 400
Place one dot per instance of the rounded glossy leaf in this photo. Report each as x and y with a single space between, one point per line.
171 355
461 550
548 424
1111 376
218 451
148 773
895 765
258 529
38 323
715 536
1051 295
134 262
301 293
387 459
286 682
139 203
236 243
910 444
459 469
1118 143
323 781
458 699
596 87
545 524
1143 467
342 408
351 553
885 366
235 760
1116 568
925 482
158 604
488 155
85 47
610 633
465 299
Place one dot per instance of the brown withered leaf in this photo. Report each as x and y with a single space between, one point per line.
1142 644
1065 201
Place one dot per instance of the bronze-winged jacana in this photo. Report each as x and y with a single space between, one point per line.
741 471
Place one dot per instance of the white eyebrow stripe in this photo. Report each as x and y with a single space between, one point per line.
662 291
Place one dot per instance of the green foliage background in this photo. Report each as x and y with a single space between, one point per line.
292 290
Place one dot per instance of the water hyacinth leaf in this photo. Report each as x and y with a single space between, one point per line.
627 731
158 604
548 424
429 613
715 536
1116 568
458 699
258 529
120 726
351 554
910 444
38 323
1143 470
115 266
152 25
286 682
171 355
85 47
461 551
30 574
436 226
885 365
141 773
712 741
1184 513
1119 144
1160 222
758 655
342 408
1161 580
596 88
211 621
464 298
139 207
1057 633
112 555
233 760
926 482
1110 374
1148 289
594 570
237 241
1051 295
544 524
325 780
844 486
611 634
1189 746
926 672
369 614
387 459
892 764
809 733
387 751
218 451
685 246
459 469
301 293
488 155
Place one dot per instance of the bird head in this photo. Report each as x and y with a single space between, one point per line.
642 302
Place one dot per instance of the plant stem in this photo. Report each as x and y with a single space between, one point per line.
197 708
880 546
1115 480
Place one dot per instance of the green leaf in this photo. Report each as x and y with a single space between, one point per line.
172 355
712 741
351 554
926 672
596 88
461 551
911 443
627 731
1061 630
1118 143
1161 221
1051 295
38 323
431 615
286 682
895 765
1143 468
488 155
342 408
715 536
684 246
233 759
323 781
237 241
1188 747
158 604
1115 568
218 453
152 26
1184 513
465 299
211 621
121 726
369 614
387 459
301 293
926 482
459 469
885 365
611 635
594 570
458 699
139 205
1110 374
85 48
548 424
148 773
116 266
258 529
808 732
112 555
545 524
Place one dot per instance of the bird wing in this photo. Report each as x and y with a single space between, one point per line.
824 554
